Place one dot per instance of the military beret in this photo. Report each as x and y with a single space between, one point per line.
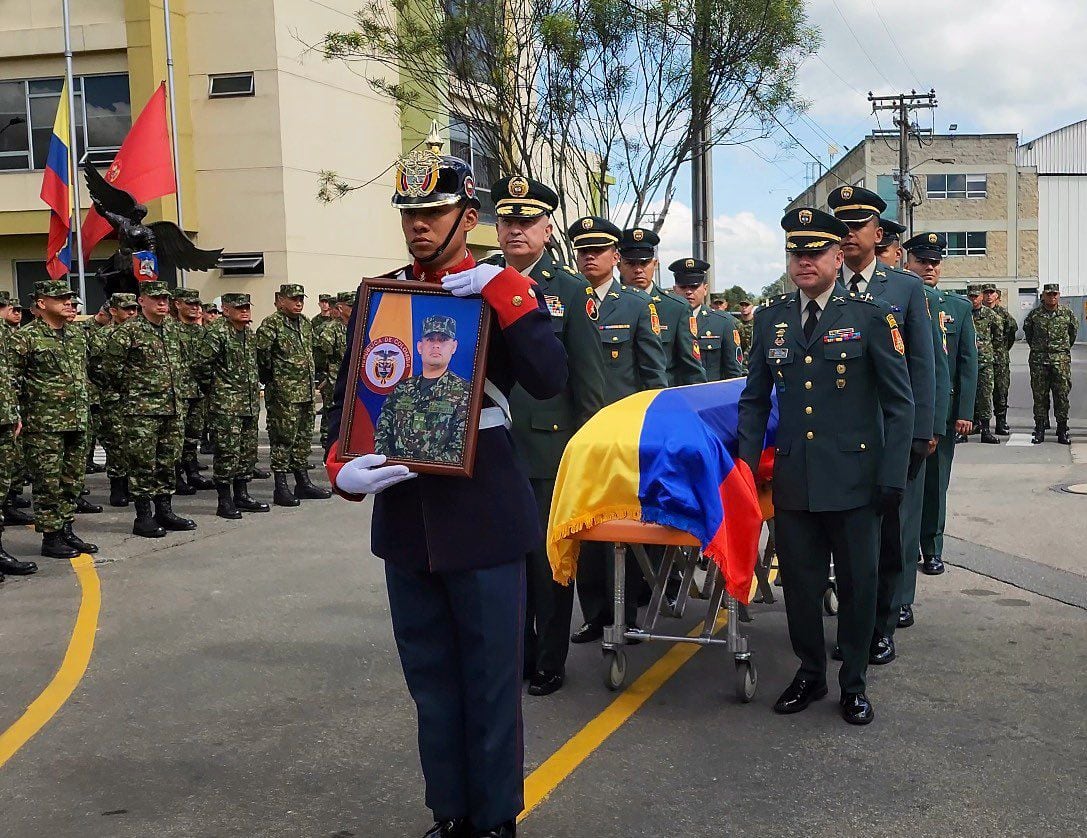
810 230
518 196
855 203
186 295
347 298
154 288
891 231
1051 288
440 324
593 231
291 290
123 301
689 271
327 298
236 299
52 288
639 243
927 245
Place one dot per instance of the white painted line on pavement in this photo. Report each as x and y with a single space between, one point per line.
1018 440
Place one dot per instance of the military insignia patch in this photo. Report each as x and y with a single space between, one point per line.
689 263
694 326
470 186
386 362
638 235
113 172
896 335
591 308
586 224
614 354
555 306
847 192
736 336
933 238
654 320
697 351
417 174
518 187
805 216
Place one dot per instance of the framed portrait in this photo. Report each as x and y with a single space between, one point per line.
416 377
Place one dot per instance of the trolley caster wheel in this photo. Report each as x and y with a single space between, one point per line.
747 680
830 601
615 668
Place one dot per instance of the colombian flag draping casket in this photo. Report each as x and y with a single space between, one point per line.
665 457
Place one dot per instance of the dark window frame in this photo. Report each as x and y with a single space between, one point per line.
232 94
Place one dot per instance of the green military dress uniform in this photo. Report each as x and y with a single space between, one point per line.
1050 335
720 343
990 334
681 348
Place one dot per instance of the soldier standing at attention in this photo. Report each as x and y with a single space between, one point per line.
889 248
13 505
50 368
990 334
746 323
718 332
285 360
328 316
1002 365
836 360
718 302
1050 329
628 326
10 429
542 428
187 307
143 359
229 354
329 347
122 307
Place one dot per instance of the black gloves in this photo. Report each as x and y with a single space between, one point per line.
918 455
886 500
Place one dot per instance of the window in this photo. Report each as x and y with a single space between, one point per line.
28 272
887 189
966 244
474 143
956 186
476 25
242 264
229 85
28 109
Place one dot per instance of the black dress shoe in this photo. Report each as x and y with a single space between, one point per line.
932 566
837 653
506 830
881 651
449 828
857 709
545 683
905 616
799 694
587 633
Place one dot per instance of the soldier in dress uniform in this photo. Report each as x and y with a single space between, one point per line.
10 428
1050 329
1001 357
889 248
628 324
990 334
541 428
187 309
837 361
925 253
718 332
455 548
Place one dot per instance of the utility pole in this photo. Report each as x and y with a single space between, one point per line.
701 147
902 104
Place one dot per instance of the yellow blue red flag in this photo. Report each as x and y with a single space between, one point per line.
57 193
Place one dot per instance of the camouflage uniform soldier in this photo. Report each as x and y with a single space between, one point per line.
229 351
746 322
50 366
990 334
328 314
1050 329
143 360
328 317
10 428
188 310
13 505
285 360
122 307
329 348
1001 357
94 422
425 417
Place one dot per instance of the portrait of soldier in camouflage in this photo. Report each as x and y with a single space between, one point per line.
425 417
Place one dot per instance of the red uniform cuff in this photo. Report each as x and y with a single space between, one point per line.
333 464
511 296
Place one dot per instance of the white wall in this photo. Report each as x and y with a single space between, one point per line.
1062 211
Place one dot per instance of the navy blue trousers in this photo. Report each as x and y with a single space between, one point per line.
459 635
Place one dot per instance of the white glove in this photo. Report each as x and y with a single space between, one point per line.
361 476
471 281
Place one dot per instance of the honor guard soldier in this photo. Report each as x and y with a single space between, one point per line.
718 332
904 293
638 268
10 428
454 548
1001 357
541 428
187 310
1050 329
837 361
628 325
889 248
990 334
924 257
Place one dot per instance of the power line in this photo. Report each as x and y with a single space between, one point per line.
837 75
859 44
894 43
804 147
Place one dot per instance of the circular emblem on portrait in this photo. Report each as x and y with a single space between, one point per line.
386 362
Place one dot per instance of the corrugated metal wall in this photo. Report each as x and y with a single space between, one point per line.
1062 222
1061 152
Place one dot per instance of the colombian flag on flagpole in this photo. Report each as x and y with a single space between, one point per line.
57 193
664 457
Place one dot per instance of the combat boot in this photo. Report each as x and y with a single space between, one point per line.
55 547
243 501
118 491
1002 428
11 565
304 488
1038 437
75 542
16 499
85 507
987 435
166 517
196 479
226 508
283 496
180 486
1062 434
145 523
13 515
93 467
261 473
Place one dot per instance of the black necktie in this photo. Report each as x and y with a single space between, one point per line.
813 319
855 283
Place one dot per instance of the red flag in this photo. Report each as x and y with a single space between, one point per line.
143 167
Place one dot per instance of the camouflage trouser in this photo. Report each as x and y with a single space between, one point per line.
56 461
290 434
111 435
1002 382
235 445
8 465
193 427
1051 374
153 449
983 406
94 429
19 471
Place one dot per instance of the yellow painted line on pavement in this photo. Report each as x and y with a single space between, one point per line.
547 777
72 668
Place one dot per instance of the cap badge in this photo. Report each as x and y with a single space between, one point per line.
470 186
417 173
586 224
638 235
932 238
847 192
689 263
805 216
518 187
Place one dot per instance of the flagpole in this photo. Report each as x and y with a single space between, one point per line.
73 156
173 122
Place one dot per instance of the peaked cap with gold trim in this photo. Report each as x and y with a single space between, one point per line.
809 230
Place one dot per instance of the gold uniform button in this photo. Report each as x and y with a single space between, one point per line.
518 300
841 369
843 354
807 385
807 410
807 359
811 434
556 427
614 339
863 447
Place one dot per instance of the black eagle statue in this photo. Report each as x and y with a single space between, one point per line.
164 238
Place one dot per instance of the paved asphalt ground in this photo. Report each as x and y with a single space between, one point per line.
244 682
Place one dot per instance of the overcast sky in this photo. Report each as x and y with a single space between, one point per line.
1002 66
